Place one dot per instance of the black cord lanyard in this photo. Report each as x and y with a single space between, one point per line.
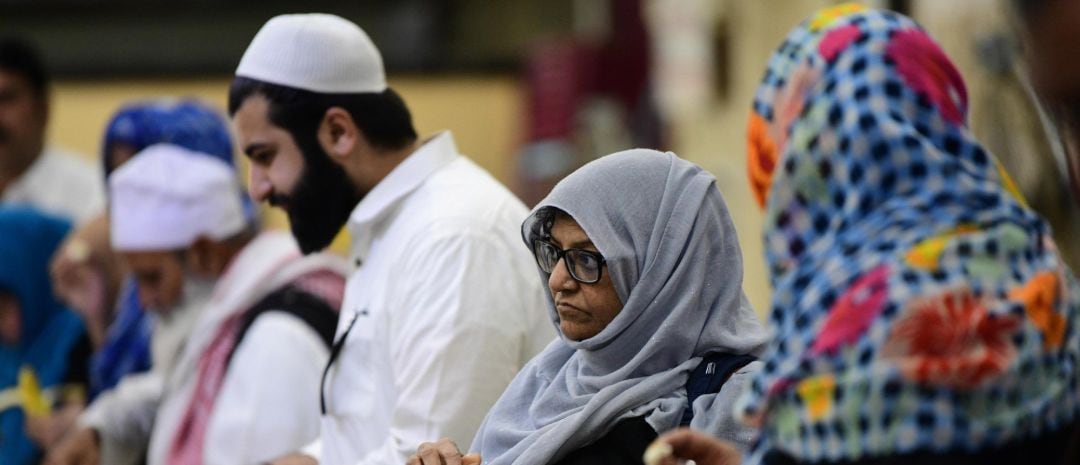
334 352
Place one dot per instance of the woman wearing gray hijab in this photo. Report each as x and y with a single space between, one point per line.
645 278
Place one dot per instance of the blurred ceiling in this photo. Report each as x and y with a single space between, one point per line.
118 38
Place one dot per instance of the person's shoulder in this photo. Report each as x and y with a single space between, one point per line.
279 329
460 208
466 195
463 182
67 163
72 171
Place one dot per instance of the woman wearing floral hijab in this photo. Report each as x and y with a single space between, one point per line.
921 311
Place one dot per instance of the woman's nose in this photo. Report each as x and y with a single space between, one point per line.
560 279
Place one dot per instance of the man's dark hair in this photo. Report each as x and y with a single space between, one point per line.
383 116
17 56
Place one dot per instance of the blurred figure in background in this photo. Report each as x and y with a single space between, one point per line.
43 345
31 173
88 275
1013 126
252 316
587 95
921 309
1051 32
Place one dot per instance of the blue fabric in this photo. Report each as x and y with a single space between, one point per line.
49 330
127 343
186 123
919 305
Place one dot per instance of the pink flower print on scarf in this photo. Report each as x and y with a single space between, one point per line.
836 41
854 312
926 69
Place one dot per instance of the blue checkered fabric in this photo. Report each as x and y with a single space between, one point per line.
919 305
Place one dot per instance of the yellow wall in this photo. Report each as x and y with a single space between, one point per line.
716 140
483 112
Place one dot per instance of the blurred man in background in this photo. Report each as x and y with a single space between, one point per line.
1052 33
87 273
31 173
253 316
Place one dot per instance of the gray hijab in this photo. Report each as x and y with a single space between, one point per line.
674 259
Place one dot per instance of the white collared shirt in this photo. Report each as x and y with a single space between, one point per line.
448 306
61 184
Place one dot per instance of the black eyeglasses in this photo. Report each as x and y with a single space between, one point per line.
584 265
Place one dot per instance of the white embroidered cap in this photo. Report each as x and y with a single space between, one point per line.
167 196
316 52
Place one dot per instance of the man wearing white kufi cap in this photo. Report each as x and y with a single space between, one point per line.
255 316
443 307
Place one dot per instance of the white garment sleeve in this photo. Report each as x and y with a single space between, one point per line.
456 336
313 449
269 400
125 414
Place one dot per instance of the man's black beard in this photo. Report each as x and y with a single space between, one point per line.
321 202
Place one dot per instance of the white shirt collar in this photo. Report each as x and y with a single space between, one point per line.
435 153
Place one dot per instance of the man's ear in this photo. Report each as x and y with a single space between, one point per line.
202 257
338 134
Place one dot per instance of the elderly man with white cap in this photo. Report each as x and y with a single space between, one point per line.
443 306
248 317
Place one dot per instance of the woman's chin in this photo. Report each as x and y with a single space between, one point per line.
575 331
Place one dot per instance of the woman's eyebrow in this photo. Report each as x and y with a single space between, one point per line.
579 244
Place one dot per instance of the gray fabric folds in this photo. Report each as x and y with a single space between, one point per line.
674 259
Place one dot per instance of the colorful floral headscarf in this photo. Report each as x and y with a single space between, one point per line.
918 304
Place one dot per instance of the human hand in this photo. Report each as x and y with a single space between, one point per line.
443 452
48 430
295 459
684 444
83 270
81 447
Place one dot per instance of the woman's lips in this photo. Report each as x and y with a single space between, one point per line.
569 312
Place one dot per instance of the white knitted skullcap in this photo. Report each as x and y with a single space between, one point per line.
316 52
167 196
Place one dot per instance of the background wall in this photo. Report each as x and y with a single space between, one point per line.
482 111
473 85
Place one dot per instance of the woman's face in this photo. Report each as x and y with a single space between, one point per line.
10 319
584 309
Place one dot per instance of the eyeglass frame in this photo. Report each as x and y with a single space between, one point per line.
561 255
